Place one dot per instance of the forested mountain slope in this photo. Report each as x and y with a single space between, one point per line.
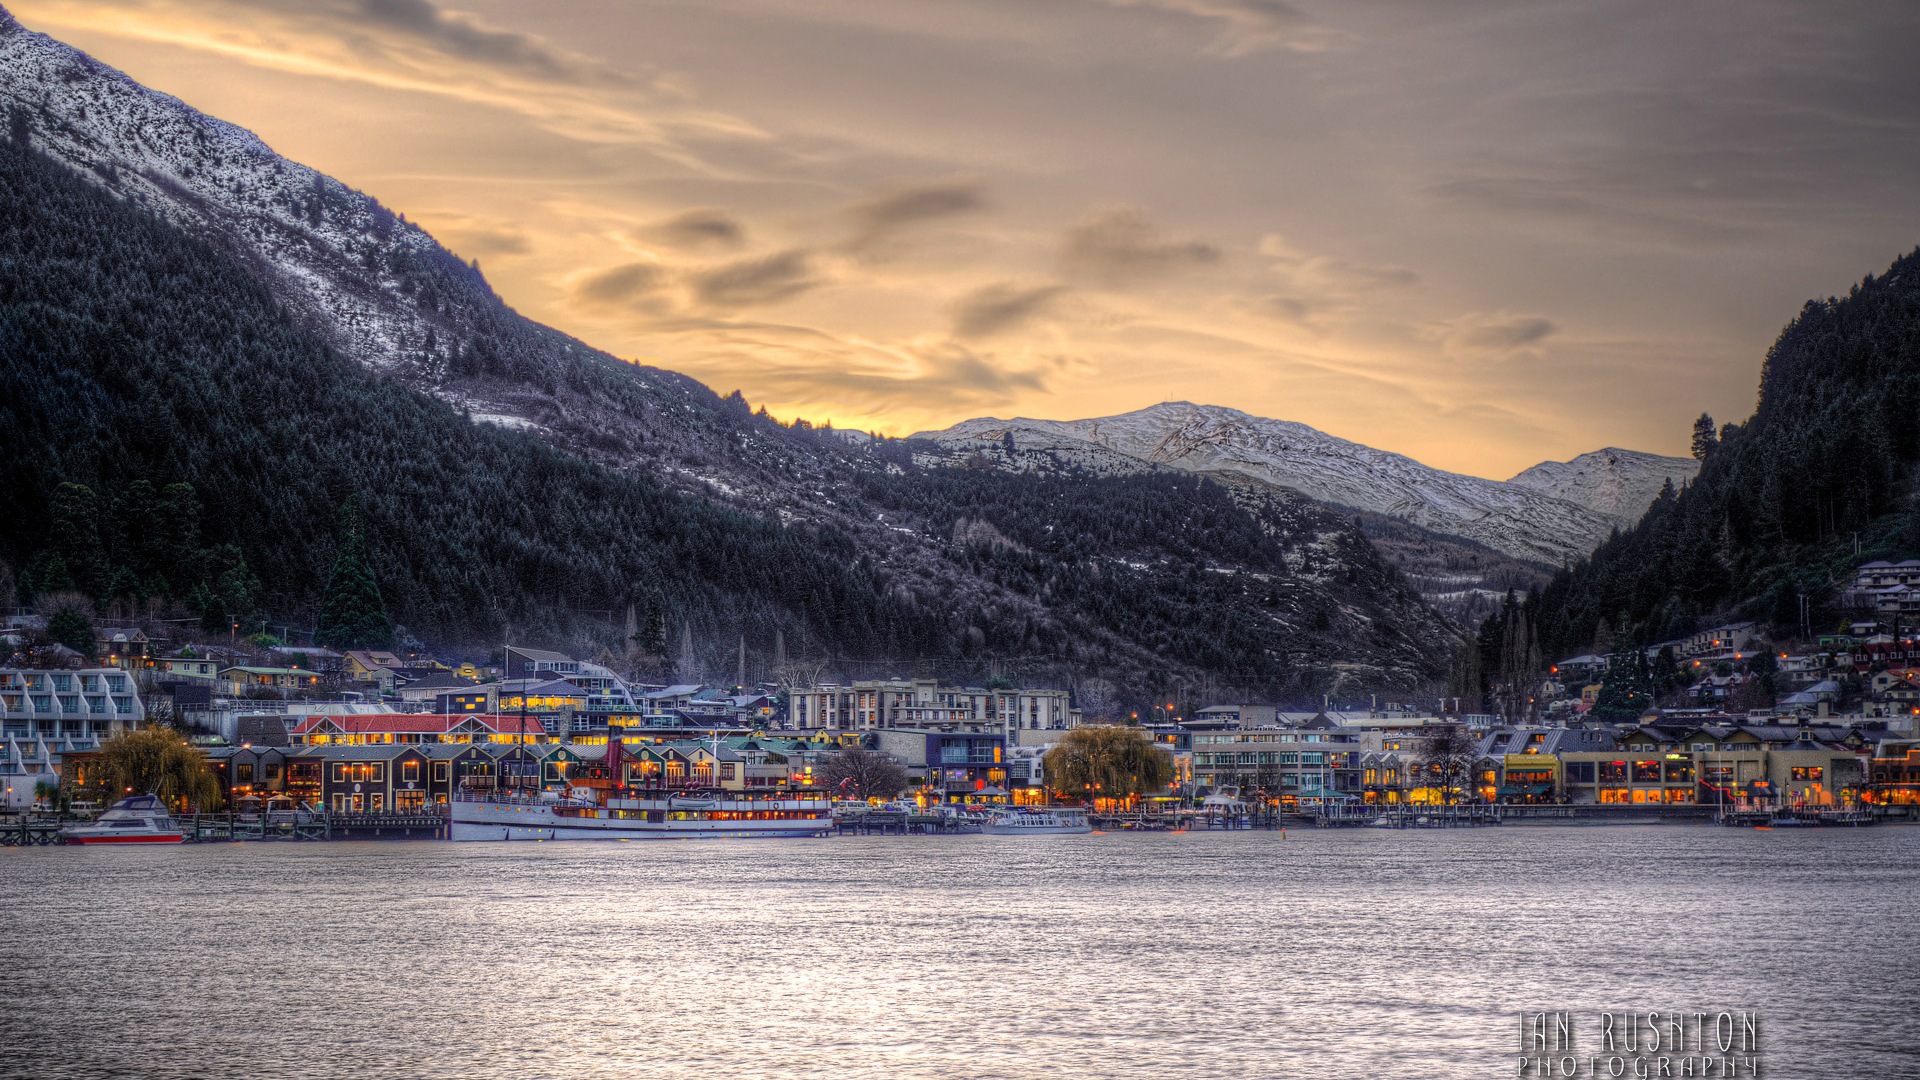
1820 478
145 344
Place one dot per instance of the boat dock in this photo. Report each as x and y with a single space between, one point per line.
31 830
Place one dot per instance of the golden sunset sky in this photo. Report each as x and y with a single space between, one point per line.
1479 233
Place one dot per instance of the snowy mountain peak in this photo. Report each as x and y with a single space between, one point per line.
336 250
1533 521
1618 483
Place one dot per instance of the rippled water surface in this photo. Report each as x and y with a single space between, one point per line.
1320 954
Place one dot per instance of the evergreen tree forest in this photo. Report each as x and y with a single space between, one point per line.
1819 479
171 433
166 428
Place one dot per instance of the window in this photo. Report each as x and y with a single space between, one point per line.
1646 772
243 774
410 772
441 770
1613 772
271 770
1580 772
339 772
1806 774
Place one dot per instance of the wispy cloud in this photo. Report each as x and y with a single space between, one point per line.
453 34
752 281
1497 334
1249 26
1121 248
1001 307
882 216
696 229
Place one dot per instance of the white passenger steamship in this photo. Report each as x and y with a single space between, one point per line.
581 814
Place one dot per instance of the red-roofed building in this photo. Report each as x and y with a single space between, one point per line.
416 728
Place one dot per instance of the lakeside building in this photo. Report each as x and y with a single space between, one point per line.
954 765
1894 773
1802 765
1303 768
87 703
49 717
872 704
402 728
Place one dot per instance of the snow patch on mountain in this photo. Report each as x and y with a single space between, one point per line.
1618 483
1512 518
209 175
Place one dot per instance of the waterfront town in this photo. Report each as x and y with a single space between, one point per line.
376 732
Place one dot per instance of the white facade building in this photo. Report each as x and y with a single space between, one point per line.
922 703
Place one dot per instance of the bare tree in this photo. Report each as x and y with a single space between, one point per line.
798 674
1097 698
862 774
1447 757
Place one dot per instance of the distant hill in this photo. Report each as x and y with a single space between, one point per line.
1618 483
180 305
1536 521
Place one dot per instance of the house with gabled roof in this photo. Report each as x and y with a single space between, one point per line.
320 730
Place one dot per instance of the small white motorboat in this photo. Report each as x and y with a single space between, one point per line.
1035 820
141 819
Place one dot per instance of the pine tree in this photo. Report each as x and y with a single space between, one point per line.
1628 691
71 627
352 615
1704 436
76 536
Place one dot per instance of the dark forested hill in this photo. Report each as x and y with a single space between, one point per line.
136 358
131 352
1821 477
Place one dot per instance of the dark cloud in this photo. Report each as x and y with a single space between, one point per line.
454 35
745 282
695 229
882 216
1001 306
1496 334
622 284
1290 309
950 370
1121 248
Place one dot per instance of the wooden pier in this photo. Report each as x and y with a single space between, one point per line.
897 822
28 830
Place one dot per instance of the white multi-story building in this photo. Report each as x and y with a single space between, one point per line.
923 703
44 714
91 703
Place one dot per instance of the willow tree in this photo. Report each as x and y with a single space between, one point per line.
157 761
1107 763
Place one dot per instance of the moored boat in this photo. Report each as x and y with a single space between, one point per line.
1033 820
579 815
138 819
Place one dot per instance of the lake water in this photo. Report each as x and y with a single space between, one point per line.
1320 954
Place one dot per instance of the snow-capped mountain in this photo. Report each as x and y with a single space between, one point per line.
1518 519
1313 605
1618 483
381 290
209 175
